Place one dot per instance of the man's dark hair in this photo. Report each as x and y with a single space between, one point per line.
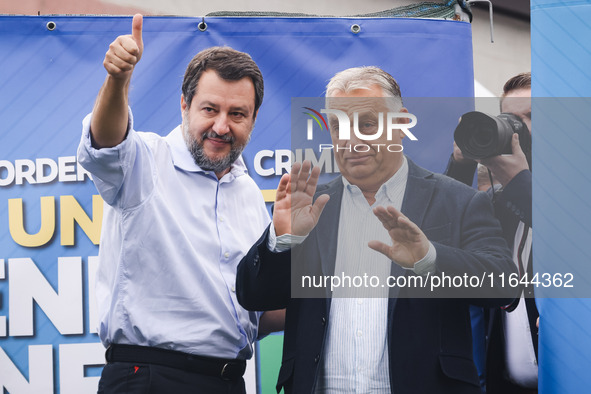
230 65
520 81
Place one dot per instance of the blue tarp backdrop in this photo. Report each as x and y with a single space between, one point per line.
49 219
561 115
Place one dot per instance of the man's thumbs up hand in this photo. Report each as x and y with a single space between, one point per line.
125 52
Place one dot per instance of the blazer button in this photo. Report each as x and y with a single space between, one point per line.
323 320
317 358
256 260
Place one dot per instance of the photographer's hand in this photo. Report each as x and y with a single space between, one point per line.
505 167
459 157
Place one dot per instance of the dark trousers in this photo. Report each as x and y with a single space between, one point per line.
130 378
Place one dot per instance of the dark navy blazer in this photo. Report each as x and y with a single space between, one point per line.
429 339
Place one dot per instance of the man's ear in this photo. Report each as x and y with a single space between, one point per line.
402 121
183 104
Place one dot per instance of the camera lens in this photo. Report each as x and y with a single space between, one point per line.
484 137
479 135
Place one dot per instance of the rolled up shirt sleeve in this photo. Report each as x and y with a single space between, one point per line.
130 162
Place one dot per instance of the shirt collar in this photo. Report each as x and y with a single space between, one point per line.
389 188
182 158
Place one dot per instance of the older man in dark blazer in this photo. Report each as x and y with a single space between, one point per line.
406 340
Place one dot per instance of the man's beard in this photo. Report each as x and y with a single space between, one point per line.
216 165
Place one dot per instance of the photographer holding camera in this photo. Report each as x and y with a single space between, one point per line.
503 145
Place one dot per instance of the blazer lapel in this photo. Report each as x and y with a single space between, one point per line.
327 228
417 196
419 190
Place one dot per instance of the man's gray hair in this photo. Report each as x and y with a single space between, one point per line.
363 78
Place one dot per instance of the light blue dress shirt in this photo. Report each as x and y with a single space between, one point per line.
172 237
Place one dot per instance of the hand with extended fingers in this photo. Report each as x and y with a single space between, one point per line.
125 51
409 243
295 212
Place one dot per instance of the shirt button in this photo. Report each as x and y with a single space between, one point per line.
359 301
359 333
359 368
233 289
221 219
226 255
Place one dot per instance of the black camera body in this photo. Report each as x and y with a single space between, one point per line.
479 135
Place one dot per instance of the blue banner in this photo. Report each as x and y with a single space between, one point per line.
50 213
561 83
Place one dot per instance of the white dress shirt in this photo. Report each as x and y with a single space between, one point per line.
522 365
356 350
172 237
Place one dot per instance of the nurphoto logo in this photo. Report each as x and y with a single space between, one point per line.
366 127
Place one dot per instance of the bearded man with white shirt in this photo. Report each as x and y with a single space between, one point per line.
180 213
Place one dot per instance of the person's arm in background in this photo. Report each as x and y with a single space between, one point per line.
513 173
110 114
460 168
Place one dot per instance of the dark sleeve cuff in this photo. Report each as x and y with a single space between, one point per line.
463 172
263 277
516 197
